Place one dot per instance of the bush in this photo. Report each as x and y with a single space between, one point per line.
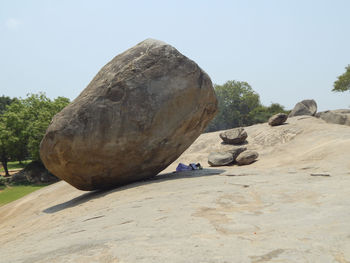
3 181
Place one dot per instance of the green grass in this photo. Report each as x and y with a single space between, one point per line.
12 193
15 165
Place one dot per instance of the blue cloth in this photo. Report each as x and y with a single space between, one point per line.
183 167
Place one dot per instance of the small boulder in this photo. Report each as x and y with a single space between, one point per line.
305 107
278 119
234 136
236 151
247 157
220 158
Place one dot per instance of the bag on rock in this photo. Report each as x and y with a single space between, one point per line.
183 167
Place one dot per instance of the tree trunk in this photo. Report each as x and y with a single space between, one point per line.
4 164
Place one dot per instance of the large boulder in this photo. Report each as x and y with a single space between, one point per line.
234 136
140 112
305 107
335 116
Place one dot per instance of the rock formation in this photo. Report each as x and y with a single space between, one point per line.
278 119
335 116
225 157
305 107
140 112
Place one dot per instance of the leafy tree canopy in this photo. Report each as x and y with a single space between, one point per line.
23 124
239 105
4 102
343 81
39 110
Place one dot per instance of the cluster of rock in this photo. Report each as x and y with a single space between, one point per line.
237 137
238 154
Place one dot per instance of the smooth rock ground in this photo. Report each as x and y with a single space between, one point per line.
140 112
269 211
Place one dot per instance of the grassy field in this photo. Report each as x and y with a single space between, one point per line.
15 165
12 193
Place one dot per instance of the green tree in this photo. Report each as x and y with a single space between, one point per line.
39 110
262 113
343 81
7 145
4 102
23 125
236 99
239 105
14 122
9 132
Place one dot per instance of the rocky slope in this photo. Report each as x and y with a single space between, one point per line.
289 206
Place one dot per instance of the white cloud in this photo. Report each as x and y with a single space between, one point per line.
12 23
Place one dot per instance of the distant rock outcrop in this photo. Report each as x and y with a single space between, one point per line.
278 119
234 136
140 112
305 107
335 116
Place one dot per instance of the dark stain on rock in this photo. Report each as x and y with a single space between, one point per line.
267 257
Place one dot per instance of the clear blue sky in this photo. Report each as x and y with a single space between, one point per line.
286 50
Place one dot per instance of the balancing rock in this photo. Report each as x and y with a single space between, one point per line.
139 113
